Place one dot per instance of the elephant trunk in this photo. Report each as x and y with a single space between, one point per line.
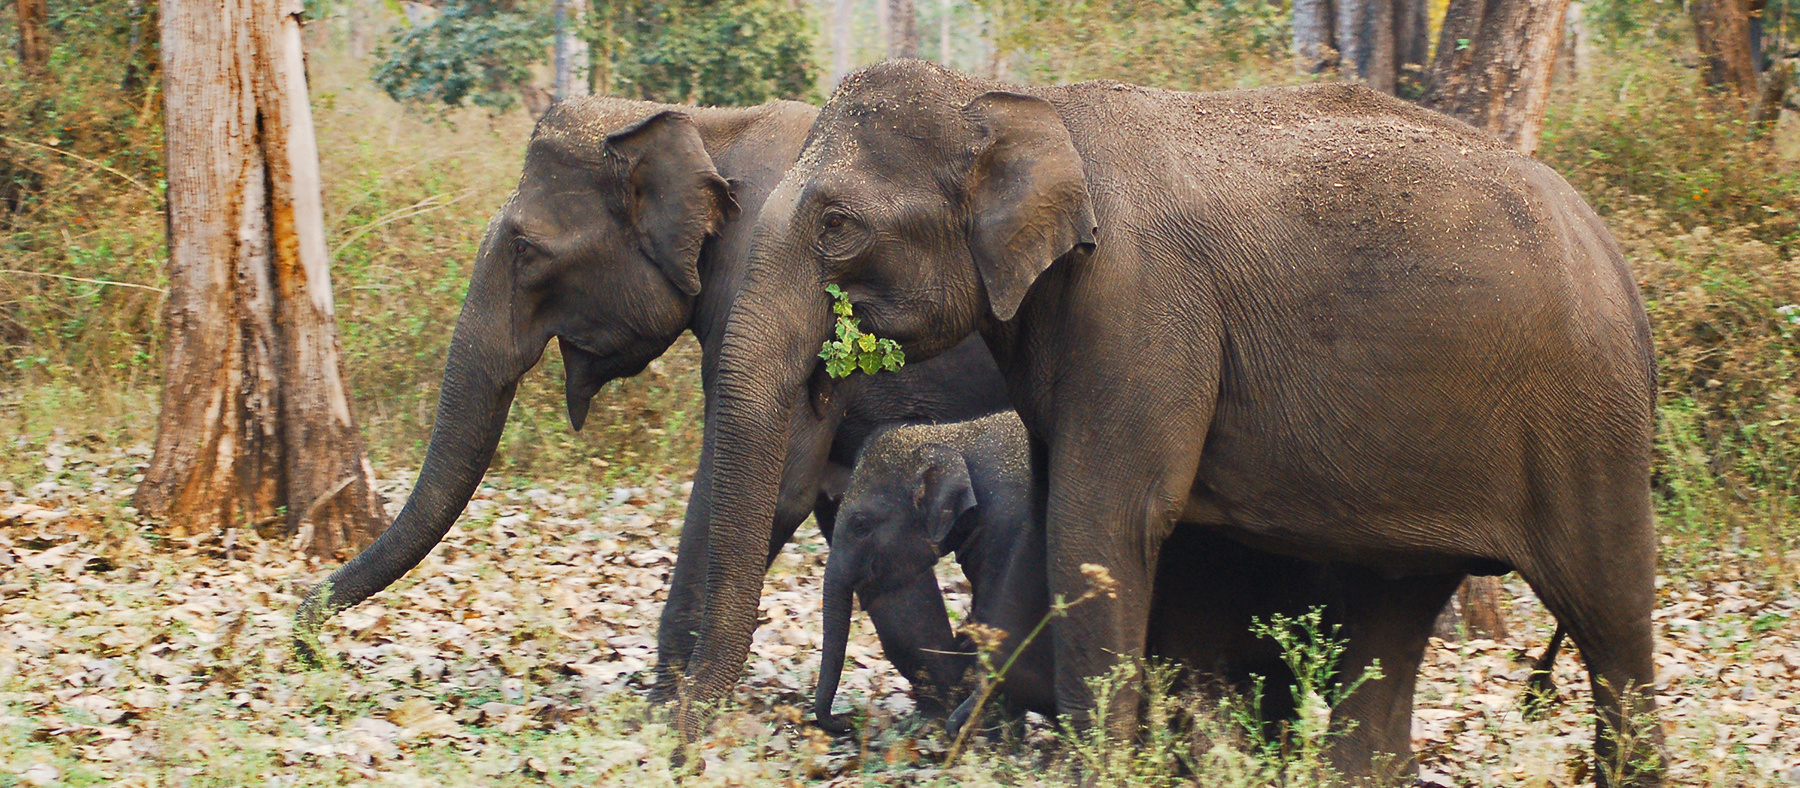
481 376
838 590
770 346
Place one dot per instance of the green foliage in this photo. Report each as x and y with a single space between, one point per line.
1727 470
1313 654
80 198
1177 44
725 53
853 349
1640 128
482 52
473 51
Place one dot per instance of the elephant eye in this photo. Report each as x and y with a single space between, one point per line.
523 248
841 236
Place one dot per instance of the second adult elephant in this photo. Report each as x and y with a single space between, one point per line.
1319 320
630 225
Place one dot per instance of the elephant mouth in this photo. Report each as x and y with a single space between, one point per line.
585 372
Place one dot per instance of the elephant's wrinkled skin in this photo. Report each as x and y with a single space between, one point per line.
630 225
925 491
1318 320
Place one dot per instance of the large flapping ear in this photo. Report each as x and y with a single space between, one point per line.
678 198
1028 195
943 492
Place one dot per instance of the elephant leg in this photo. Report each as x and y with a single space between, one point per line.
1608 617
1091 526
678 628
1386 623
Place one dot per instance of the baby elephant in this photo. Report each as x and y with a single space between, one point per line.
919 493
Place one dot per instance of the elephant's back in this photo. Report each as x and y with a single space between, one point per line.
1350 214
1414 322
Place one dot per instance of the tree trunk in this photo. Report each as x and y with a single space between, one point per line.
1572 57
1412 45
34 50
1315 49
1765 112
1722 33
1365 42
571 62
1480 597
256 427
1493 66
944 8
842 42
902 29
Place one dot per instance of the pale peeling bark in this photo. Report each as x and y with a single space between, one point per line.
256 428
944 8
1493 65
842 43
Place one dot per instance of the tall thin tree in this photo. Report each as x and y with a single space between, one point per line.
255 428
944 8
34 51
902 28
842 43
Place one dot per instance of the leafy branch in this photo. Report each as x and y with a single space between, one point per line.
853 349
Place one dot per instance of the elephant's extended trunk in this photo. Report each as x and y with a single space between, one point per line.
838 591
470 418
480 378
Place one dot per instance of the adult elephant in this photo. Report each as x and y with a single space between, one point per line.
1318 320
630 225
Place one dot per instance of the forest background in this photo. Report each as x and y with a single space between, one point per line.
422 113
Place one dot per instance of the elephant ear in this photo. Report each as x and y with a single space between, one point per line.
943 492
677 198
1028 198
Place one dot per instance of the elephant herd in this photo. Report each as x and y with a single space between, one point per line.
1251 352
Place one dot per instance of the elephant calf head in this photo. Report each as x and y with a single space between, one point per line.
919 493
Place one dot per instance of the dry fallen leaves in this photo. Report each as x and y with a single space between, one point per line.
518 652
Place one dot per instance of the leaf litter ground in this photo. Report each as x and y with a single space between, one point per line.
519 652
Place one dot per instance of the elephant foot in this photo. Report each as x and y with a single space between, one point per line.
834 725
